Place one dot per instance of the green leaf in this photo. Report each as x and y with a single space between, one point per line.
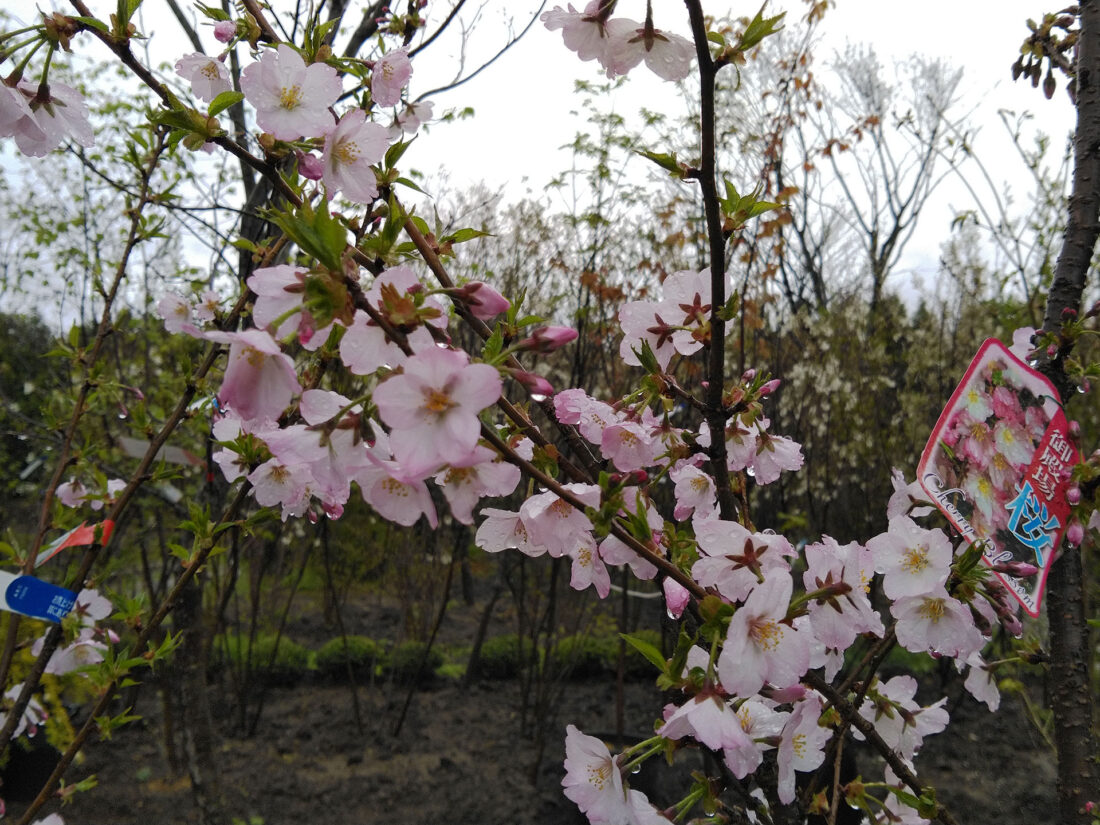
759 28
410 185
463 235
668 162
493 345
223 101
646 649
93 22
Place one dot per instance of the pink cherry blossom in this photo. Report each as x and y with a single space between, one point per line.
695 492
410 120
906 497
981 683
291 98
708 718
677 597
759 647
503 529
392 496
801 745
259 378
936 622
838 618
774 453
593 780
629 446
62 114
483 473
208 76
913 560
352 148
175 310
667 55
588 568
279 292
583 32
732 560
390 74
641 321
34 715
898 719
432 409
762 724
556 524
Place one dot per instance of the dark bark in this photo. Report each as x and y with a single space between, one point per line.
1069 689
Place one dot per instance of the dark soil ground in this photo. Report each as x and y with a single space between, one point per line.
459 758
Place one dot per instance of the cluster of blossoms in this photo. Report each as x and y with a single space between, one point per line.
618 43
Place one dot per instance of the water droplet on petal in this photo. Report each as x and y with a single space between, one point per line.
749 471
636 769
538 397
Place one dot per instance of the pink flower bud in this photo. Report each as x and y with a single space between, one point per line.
1069 314
225 30
1076 533
536 384
769 387
548 339
310 166
676 597
484 301
1074 429
1073 495
1052 351
747 376
1016 569
794 693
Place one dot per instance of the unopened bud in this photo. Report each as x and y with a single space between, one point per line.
309 165
769 387
1069 314
1073 495
225 31
747 376
536 384
676 597
1075 534
548 339
1016 569
484 301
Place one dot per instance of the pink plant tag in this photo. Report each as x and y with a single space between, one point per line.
997 465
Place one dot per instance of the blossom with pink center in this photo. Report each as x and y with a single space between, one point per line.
667 55
641 321
82 652
801 745
759 646
629 446
390 74
502 530
207 75
351 150
732 560
695 492
432 409
41 125
91 606
913 560
898 719
392 496
484 473
583 32
259 378
288 486
588 568
291 98
741 443
708 718
593 780
591 417
686 303
556 524
936 622
843 575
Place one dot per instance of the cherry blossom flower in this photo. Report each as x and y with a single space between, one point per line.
913 560
695 492
432 409
483 473
557 525
588 568
207 75
392 496
732 560
350 151
593 780
410 120
936 622
898 719
259 378
981 683
667 55
708 718
774 453
291 98
288 486
762 724
801 745
629 446
390 74
175 310
907 497
759 647
34 715
85 650
503 529
279 292
583 32
62 114
838 618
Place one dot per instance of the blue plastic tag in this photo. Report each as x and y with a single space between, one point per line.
34 597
